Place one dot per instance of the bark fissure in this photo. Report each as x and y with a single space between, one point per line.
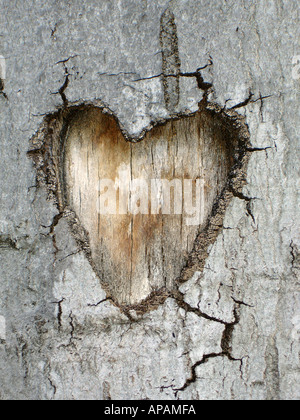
197 75
179 297
226 346
7 243
95 305
2 86
170 59
59 312
66 82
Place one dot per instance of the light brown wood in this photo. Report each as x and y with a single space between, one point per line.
138 254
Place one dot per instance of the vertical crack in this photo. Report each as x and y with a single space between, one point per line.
64 88
53 386
2 93
226 342
170 60
294 254
66 82
72 326
59 312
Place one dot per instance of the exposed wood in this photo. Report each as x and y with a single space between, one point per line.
139 253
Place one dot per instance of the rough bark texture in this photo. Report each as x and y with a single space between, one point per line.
230 329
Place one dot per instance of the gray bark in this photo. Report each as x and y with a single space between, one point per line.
231 329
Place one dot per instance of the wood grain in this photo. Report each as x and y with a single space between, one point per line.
138 254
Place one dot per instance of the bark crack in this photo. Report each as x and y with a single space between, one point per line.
121 73
226 346
59 312
245 102
249 100
196 74
53 386
66 82
95 305
294 254
7 243
248 200
179 297
258 149
2 93
193 377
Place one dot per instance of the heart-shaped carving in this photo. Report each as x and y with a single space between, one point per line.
140 229
138 253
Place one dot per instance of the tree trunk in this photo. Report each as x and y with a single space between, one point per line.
144 305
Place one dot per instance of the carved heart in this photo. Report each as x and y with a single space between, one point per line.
140 235
133 253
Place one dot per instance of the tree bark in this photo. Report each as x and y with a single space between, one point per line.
218 319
